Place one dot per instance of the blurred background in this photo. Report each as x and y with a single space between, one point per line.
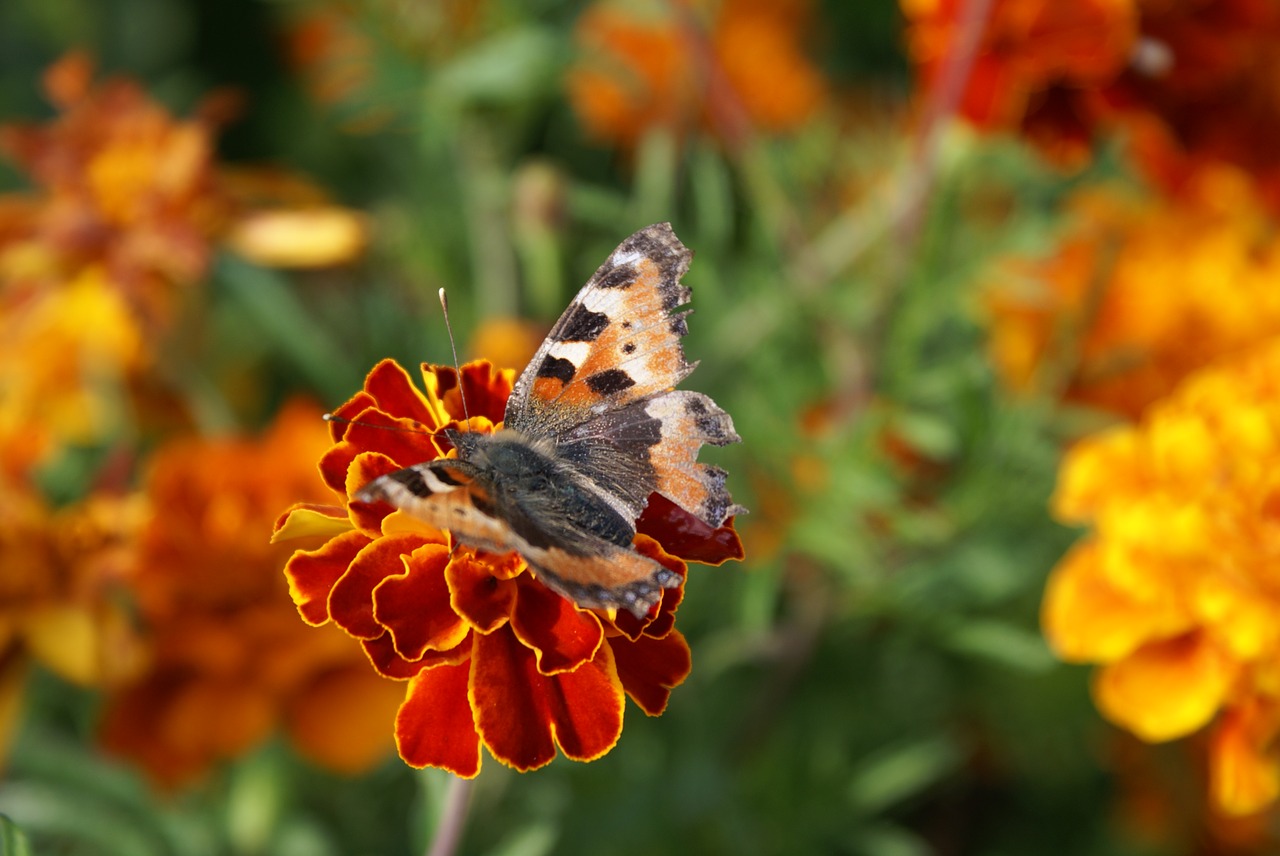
987 286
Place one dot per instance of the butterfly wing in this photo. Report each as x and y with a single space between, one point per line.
601 387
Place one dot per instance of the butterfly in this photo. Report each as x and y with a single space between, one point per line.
593 427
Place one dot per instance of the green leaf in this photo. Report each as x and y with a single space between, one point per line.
12 840
900 772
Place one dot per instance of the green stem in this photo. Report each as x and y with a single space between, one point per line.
453 818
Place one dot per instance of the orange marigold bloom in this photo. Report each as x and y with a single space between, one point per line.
1040 66
1174 590
640 73
493 657
230 660
59 593
1190 82
1139 294
127 187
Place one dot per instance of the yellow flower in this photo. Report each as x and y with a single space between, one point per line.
65 355
1174 591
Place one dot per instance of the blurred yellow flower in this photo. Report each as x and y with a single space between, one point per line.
300 238
1138 294
65 356
1174 590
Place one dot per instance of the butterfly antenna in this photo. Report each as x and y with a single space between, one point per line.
420 429
444 307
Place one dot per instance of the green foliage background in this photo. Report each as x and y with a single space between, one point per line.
878 685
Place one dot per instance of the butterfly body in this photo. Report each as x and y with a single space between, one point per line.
593 427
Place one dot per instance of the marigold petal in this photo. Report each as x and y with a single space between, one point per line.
340 719
1087 618
414 606
312 574
351 600
1243 776
388 662
309 520
394 392
483 599
562 636
434 727
650 668
522 715
1167 689
685 536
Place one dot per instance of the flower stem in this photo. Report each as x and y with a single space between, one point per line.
453 818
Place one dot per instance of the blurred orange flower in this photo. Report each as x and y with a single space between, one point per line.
231 662
638 73
1040 66
1174 590
493 657
1139 294
1189 82
59 603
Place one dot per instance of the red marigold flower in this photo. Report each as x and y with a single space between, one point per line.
493 657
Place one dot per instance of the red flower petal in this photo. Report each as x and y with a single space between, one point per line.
434 727
683 535
404 441
351 601
414 606
650 668
485 601
562 636
312 574
382 654
393 389
522 715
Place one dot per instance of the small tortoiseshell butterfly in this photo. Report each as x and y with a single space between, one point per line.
594 426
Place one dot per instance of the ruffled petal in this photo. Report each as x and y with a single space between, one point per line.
482 599
1243 776
414 606
650 668
312 574
562 636
351 601
434 727
388 662
1086 617
394 392
1165 690
310 520
522 715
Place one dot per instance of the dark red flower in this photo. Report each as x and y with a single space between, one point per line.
493 657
